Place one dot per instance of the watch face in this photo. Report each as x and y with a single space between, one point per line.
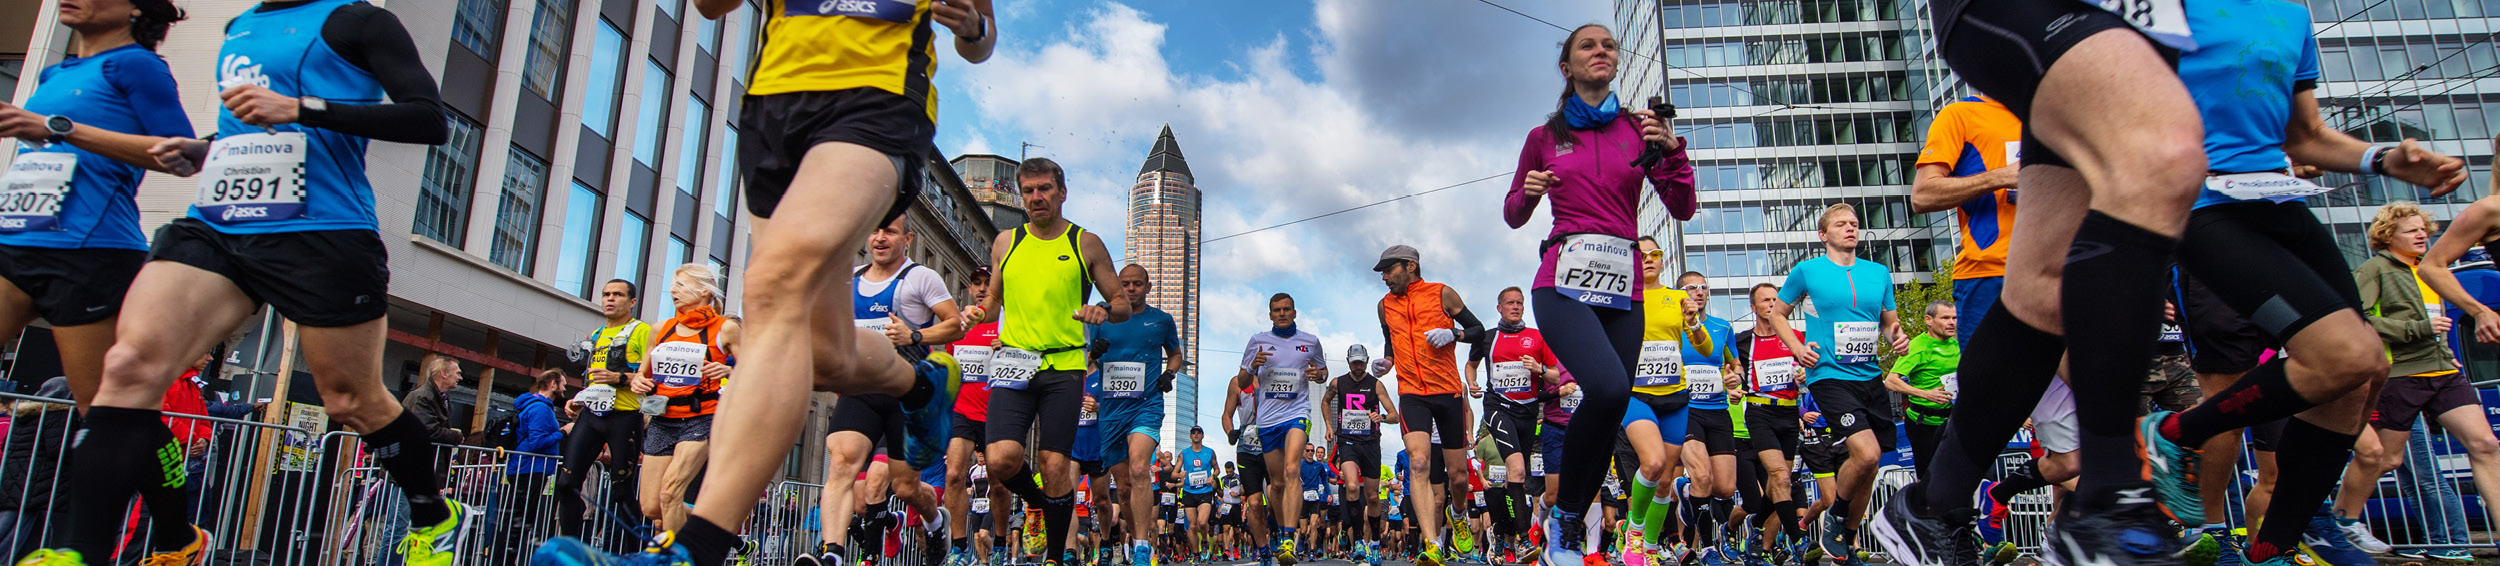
59 124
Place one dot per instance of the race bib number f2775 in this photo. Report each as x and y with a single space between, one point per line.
253 178
1855 342
1596 269
32 191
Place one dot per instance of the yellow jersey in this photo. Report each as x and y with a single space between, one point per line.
831 45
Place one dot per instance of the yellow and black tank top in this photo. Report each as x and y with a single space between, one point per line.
830 45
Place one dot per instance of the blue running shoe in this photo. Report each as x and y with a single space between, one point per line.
931 426
569 551
1834 536
2325 538
2174 470
1562 543
1991 513
2124 527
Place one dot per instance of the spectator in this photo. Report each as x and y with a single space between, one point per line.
524 491
426 400
38 437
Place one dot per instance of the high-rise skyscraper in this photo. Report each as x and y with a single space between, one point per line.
1787 106
1163 213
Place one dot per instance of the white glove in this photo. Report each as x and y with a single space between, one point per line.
1439 337
1380 367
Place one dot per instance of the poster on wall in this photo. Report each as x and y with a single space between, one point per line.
299 451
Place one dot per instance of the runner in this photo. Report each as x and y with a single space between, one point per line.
1280 364
1771 418
1586 301
1925 376
1198 494
1423 323
909 305
690 361
1709 452
1357 406
311 249
1523 371
969 434
1852 313
1037 376
85 133
980 518
1143 359
1672 320
612 419
1245 435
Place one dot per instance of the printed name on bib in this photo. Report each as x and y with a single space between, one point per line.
1775 375
1855 342
1124 380
2269 186
677 364
254 177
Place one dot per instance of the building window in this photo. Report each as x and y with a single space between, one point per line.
551 30
709 37
650 124
725 189
690 149
607 80
633 246
479 26
581 240
450 175
516 218
672 7
679 252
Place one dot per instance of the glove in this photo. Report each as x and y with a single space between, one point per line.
1232 436
1164 385
1439 337
1380 367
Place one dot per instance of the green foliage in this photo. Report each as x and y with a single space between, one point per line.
1913 298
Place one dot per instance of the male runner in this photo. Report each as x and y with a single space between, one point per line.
909 305
1771 373
1852 312
1256 510
1357 404
1709 454
1037 375
1523 371
1142 359
310 248
1424 322
1280 364
837 122
612 417
1925 375
969 434
1198 497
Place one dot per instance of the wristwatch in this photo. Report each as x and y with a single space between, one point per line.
60 126
915 337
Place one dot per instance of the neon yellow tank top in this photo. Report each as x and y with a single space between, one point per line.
1042 282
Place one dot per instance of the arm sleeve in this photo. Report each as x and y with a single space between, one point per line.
149 86
1518 206
1944 139
1470 330
372 39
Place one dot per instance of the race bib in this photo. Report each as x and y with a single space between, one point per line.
1199 478
1854 342
1087 416
2171 333
1080 497
1536 465
2269 186
2013 152
2164 20
1169 499
975 361
1571 403
1777 375
253 178
33 189
1281 383
677 364
1510 378
598 398
1013 368
1355 421
1704 380
1497 474
1596 269
1250 440
1224 509
896 11
1124 380
1310 495
1952 383
982 504
1661 363
1479 497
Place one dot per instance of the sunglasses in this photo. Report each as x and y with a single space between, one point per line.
1655 254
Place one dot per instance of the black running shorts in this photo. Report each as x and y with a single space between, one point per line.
1852 406
1048 406
2272 262
72 287
777 130
320 278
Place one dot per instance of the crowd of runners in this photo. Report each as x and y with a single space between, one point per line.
2165 289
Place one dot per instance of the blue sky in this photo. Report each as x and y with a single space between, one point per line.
1285 110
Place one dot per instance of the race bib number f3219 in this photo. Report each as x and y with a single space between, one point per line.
1661 363
1596 269
32 191
253 178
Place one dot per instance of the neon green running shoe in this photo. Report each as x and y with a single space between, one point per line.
51 557
438 545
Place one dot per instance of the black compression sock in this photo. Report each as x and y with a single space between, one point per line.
2025 477
2115 282
2263 395
921 391
402 449
1055 515
114 457
706 543
2019 361
1024 483
1787 513
2311 459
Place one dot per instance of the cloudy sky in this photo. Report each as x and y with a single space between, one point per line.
1284 111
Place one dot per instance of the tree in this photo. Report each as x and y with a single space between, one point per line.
1912 298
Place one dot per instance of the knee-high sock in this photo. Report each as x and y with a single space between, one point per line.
402 449
1654 523
2114 287
112 459
2312 459
2263 395
1643 487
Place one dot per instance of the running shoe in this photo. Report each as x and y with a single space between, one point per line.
2202 547
1141 554
1433 555
933 548
1562 547
745 553
1991 513
1284 552
2358 533
818 559
2286 559
51 557
2326 540
1834 536
2234 542
1801 548
1915 540
2173 469
194 554
438 545
931 426
1710 556
2002 554
1034 539
569 551
1462 540
2124 527
2451 555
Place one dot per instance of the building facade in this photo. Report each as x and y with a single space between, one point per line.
1163 212
1787 106
2423 69
591 140
992 180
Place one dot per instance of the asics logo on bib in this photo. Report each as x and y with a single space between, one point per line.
243 211
238 70
12 223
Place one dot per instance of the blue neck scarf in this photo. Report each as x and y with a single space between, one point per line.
1585 117
1285 331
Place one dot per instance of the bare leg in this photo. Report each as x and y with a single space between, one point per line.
690 460
844 452
2482 451
160 331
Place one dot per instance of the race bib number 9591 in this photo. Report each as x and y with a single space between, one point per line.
253 178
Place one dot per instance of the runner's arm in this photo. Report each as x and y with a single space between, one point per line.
2308 140
1937 189
372 39
1470 329
946 324
1518 205
1672 176
1388 404
1098 266
2470 229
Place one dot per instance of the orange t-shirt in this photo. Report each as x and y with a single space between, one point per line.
1973 136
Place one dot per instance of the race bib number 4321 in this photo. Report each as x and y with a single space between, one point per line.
253 178
1596 269
32 190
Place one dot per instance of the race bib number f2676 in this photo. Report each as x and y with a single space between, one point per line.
33 189
1124 380
1855 342
1013 368
1661 363
253 178
1596 269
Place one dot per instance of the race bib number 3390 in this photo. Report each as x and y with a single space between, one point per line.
253 178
